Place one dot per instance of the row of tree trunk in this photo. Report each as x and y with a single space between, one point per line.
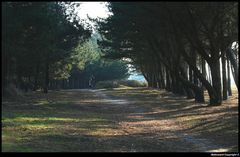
71 83
186 78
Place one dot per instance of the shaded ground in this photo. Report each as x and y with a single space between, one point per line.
125 120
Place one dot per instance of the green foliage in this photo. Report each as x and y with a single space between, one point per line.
107 70
89 66
38 39
60 70
85 53
161 38
107 84
120 83
132 83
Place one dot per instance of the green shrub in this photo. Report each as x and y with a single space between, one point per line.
107 84
116 84
132 83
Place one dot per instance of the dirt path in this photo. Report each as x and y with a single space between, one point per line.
198 144
117 120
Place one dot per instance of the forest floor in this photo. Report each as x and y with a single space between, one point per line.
117 120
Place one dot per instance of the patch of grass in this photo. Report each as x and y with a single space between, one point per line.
45 123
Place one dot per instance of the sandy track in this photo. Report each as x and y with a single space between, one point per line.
157 126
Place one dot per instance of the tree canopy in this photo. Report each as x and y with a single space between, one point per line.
38 38
45 44
170 42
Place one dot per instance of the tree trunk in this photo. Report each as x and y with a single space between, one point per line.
5 72
45 90
234 66
189 92
159 84
168 80
36 78
146 77
62 84
203 72
229 79
209 75
224 80
216 81
155 80
194 56
211 91
163 78
181 90
70 82
174 86
198 92
190 75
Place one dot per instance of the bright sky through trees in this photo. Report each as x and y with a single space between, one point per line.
98 10
92 10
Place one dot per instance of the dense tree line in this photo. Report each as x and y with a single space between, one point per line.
46 46
88 67
38 38
96 71
172 42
